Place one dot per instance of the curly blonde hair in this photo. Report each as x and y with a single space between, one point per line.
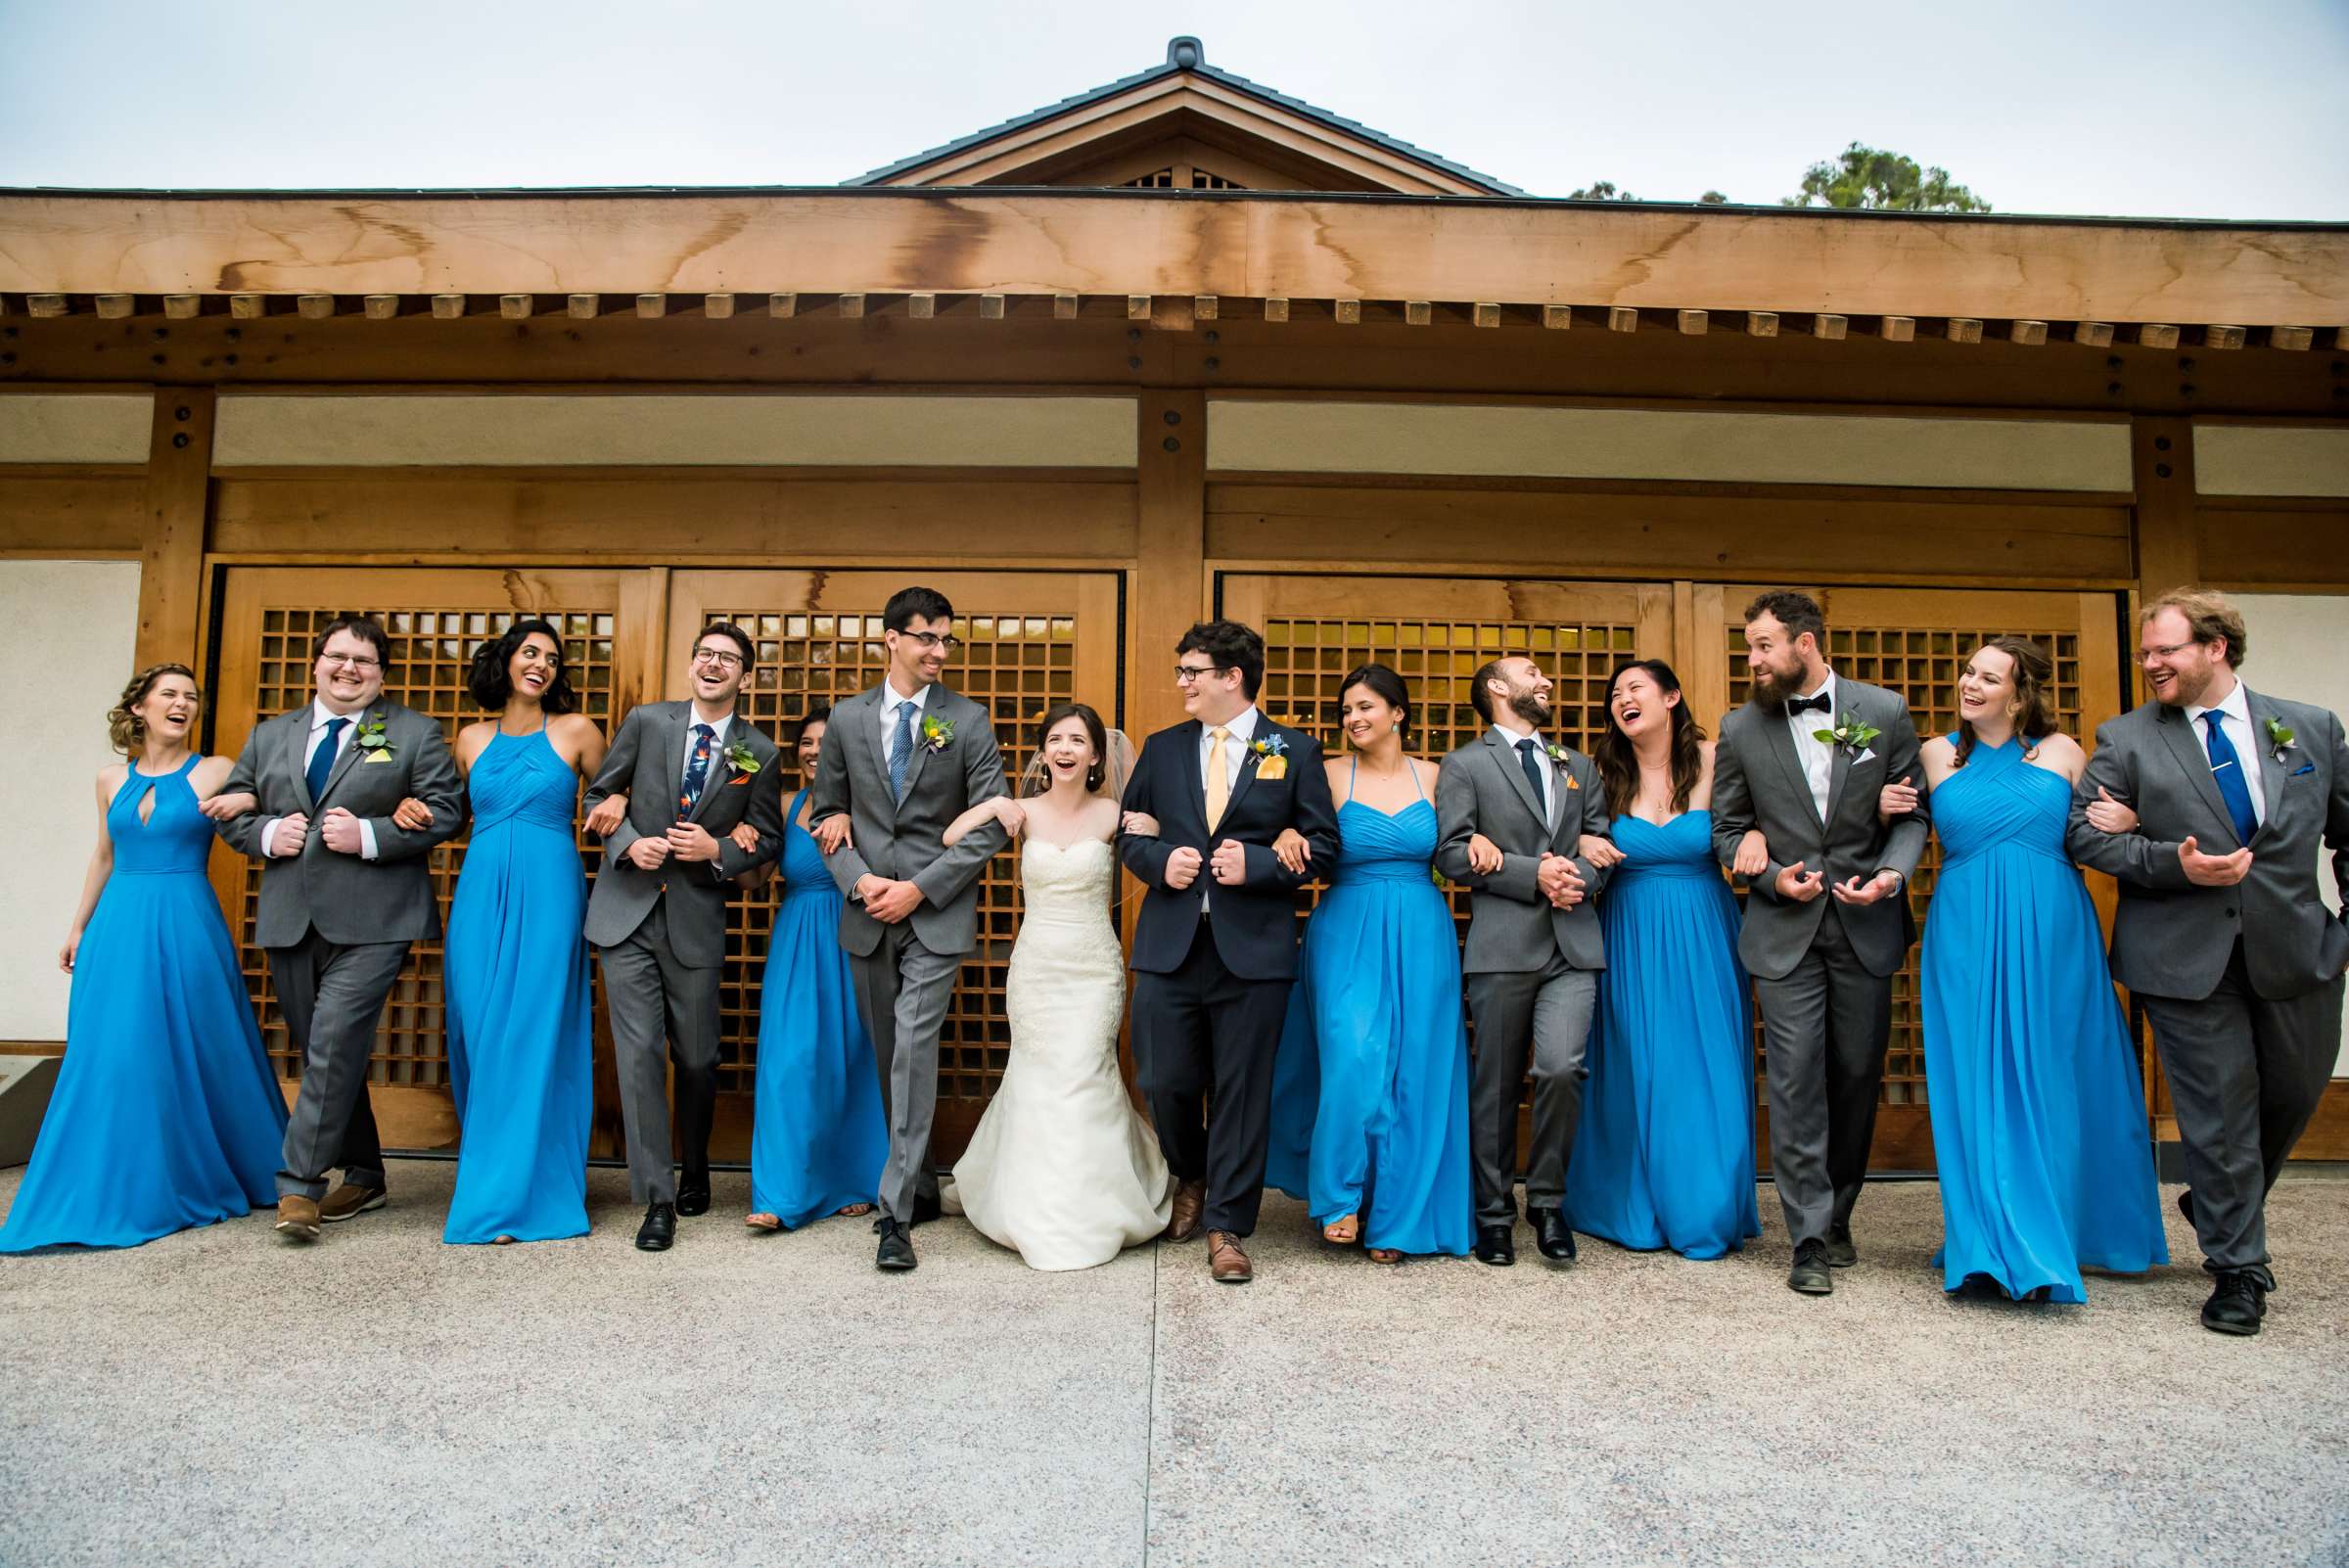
123 726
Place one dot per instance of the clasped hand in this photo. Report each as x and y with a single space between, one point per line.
888 902
1560 883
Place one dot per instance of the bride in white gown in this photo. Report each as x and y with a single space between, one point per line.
1062 1166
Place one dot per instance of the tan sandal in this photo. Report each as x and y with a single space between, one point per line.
854 1210
763 1222
1385 1255
1344 1231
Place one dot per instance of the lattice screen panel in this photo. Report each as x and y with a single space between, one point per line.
431 650
1922 664
1014 663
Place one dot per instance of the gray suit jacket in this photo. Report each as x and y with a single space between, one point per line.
347 899
1758 782
1511 927
647 760
2168 934
900 839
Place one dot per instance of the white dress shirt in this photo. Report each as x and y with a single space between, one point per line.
320 717
1818 757
2235 718
891 702
1549 783
1240 729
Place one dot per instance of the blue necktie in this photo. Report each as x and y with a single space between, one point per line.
900 751
2227 768
1531 757
322 761
697 770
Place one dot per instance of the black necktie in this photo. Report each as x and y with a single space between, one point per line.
1528 753
1800 705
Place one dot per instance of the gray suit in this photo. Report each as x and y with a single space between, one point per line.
336 927
662 935
1823 970
2242 983
1531 970
905 971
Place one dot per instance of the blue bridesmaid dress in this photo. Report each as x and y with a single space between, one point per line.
820 1139
521 1016
1370 1089
167 1114
1665 1156
2039 1121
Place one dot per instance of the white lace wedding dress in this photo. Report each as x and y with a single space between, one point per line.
1062 1166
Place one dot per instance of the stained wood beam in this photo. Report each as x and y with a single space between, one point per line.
179 467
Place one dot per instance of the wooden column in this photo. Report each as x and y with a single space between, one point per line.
179 467
1169 590
2169 551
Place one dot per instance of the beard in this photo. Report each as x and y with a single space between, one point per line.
1531 706
1774 684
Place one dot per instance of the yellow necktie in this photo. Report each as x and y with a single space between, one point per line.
1218 789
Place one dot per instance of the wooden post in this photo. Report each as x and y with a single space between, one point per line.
1170 589
179 471
2169 551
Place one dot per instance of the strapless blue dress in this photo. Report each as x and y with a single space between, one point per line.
167 1113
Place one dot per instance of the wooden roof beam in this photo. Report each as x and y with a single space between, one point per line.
379 306
2156 334
2296 340
1761 323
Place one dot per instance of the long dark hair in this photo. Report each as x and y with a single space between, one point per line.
1386 685
492 678
1093 730
1619 765
2034 717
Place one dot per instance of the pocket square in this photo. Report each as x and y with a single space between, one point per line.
379 756
2304 767
1865 755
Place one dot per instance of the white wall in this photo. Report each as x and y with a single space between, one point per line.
67 631
2296 642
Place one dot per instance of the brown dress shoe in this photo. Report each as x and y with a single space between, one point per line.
1190 1201
348 1202
1226 1261
297 1218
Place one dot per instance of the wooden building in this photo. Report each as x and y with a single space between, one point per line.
1179 347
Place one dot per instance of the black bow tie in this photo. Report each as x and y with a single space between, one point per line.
1798 705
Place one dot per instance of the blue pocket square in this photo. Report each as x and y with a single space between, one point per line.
2304 767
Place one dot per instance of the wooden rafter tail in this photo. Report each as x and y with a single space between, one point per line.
1206 307
922 305
992 306
1623 318
516 307
115 307
2029 334
315 307
1557 317
1485 313
1762 323
2216 337
2297 340
1137 308
182 307
2156 334
1417 313
448 307
379 306
1897 329
2340 340
851 306
248 307
582 307
717 306
1695 323
1276 307
1349 312
1830 326
2093 334
1064 308
1963 329
652 306
782 307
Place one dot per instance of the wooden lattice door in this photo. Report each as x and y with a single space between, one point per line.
1030 639
1915 641
268 623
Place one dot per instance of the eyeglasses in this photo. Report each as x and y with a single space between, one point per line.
2145 656
931 639
718 657
1185 674
358 662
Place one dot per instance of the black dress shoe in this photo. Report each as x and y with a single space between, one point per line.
1841 1254
1808 1276
1495 1246
693 1193
660 1227
926 1208
1551 1234
2238 1301
896 1253
2185 1204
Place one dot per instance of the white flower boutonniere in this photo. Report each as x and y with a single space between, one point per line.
738 757
2280 738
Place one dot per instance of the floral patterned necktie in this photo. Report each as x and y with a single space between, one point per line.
697 770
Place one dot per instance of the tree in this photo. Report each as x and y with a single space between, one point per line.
1867 177
1600 190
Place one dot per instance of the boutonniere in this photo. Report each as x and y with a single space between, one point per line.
1562 760
1850 735
372 740
1271 755
2280 737
936 734
738 757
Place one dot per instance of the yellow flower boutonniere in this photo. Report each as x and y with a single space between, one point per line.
1272 757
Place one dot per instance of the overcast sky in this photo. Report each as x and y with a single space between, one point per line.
2150 108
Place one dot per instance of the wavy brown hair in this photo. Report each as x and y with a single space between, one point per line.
124 728
1619 765
2033 677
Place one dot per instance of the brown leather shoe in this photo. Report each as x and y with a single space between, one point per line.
348 1202
1226 1261
1190 1201
297 1218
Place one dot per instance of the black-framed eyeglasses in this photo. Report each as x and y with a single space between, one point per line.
932 639
718 657
1185 674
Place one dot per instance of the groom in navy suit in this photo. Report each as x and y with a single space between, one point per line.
1215 949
